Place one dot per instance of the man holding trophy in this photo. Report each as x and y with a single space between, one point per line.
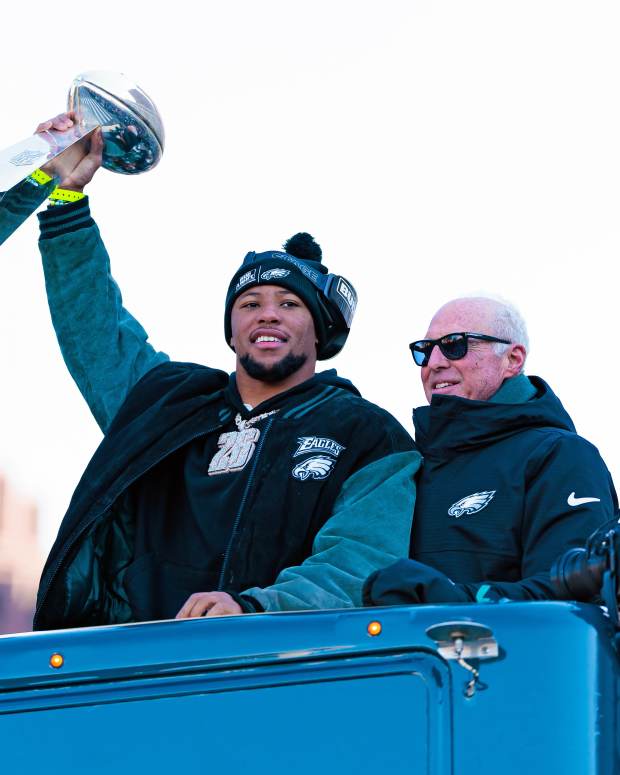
274 488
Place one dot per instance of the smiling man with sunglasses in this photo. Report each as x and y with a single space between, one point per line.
507 484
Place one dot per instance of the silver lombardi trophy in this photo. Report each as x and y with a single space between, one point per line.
133 132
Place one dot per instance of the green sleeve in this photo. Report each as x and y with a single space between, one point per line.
18 203
369 529
104 347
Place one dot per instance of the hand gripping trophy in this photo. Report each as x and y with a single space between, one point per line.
131 128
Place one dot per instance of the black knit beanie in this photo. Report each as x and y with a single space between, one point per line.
291 269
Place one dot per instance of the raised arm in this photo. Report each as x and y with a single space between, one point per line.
104 347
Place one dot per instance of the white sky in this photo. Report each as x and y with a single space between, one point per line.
433 149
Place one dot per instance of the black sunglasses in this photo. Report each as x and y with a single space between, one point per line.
453 346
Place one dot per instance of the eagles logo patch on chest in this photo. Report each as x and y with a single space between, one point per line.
319 466
471 504
314 468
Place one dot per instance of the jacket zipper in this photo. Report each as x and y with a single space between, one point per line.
244 498
72 541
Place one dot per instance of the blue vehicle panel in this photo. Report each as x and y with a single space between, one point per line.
316 692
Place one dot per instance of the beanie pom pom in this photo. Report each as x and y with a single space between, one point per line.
303 246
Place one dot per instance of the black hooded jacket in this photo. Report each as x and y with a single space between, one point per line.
148 525
504 489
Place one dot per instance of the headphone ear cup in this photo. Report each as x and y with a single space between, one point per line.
335 329
332 345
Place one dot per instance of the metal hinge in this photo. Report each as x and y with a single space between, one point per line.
465 640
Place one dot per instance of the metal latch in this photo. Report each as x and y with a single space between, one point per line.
464 640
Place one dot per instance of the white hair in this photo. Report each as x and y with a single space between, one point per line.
506 322
509 324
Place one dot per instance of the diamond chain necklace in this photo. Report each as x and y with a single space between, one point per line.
243 424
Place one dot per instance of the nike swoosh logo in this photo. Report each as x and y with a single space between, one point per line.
572 501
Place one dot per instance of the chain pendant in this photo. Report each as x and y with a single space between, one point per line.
236 450
237 447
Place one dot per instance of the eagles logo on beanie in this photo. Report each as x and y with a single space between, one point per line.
298 269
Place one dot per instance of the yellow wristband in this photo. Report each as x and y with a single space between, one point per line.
64 195
40 177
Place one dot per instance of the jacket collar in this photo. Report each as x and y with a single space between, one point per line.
516 390
452 424
296 394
